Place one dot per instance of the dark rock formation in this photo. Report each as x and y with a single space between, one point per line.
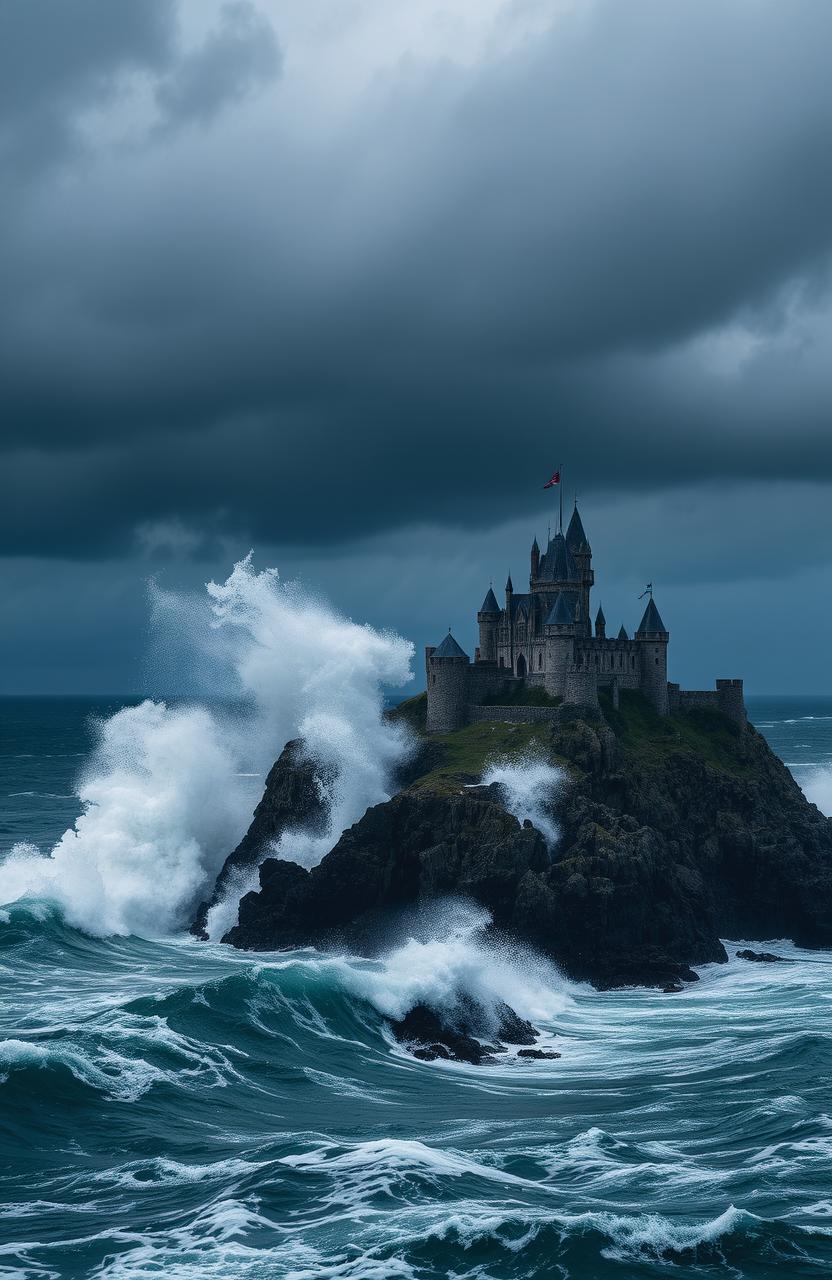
763 957
537 1053
459 1035
675 832
291 799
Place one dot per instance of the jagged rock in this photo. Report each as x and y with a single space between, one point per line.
459 1033
429 1037
292 799
763 957
537 1053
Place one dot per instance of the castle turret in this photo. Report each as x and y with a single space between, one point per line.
652 638
447 679
622 632
488 619
535 567
560 645
509 594
581 554
600 625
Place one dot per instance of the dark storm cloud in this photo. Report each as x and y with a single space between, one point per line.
309 335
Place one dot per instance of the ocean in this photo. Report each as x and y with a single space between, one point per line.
175 1108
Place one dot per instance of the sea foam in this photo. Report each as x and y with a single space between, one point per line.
168 791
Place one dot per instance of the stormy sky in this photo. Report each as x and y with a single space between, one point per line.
343 281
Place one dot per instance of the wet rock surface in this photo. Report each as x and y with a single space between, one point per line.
461 1034
762 957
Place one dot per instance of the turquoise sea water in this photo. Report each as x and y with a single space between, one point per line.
177 1109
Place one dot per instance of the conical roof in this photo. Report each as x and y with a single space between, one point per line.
560 614
576 539
622 633
651 623
561 565
599 617
509 586
449 649
489 604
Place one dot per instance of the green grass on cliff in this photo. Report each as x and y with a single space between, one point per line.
459 759
648 739
466 753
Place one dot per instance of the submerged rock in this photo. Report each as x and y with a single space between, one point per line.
763 957
457 1035
537 1053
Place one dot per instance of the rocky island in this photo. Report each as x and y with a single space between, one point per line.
676 824
675 831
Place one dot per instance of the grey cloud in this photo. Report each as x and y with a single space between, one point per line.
59 60
480 271
240 55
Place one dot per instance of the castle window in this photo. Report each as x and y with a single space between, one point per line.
657 662
539 661
633 662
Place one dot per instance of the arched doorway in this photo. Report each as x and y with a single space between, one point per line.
521 666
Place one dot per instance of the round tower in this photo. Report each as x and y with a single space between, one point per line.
559 630
447 673
652 637
488 619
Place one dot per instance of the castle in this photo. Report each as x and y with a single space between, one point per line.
545 638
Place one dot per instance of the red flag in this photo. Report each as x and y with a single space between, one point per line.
554 480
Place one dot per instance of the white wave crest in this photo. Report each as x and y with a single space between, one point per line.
452 960
166 796
529 788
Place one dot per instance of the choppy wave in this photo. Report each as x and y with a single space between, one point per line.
188 1110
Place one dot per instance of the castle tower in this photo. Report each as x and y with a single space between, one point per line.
559 630
488 619
652 638
600 625
447 672
535 563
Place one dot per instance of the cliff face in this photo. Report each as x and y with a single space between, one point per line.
291 799
675 832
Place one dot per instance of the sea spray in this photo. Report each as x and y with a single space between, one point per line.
817 787
168 791
529 787
449 958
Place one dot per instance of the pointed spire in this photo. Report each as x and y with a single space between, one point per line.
535 547
576 539
509 587
651 624
622 633
560 614
599 617
450 649
489 604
